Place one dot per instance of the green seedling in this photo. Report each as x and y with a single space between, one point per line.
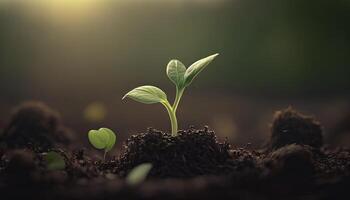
103 139
181 77
54 161
138 174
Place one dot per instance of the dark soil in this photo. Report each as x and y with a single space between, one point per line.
291 127
35 125
192 153
194 165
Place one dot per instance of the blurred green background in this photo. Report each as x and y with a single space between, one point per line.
82 56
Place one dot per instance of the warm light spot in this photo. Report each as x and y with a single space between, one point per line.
95 112
225 126
70 11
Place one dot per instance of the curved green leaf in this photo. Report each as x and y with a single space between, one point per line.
111 138
103 138
176 72
98 139
147 94
196 68
138 174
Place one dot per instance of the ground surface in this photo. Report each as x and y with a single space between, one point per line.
295 164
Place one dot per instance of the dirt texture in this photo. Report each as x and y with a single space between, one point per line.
193 165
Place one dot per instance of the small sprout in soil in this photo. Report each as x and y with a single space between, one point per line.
181 77
138 174
54 161
103 138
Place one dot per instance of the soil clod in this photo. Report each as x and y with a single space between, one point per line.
34 125
290 126
294 161
191 153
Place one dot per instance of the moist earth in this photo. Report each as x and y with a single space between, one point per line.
192 153
193 165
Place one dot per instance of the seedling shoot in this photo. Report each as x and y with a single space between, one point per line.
181 77
103 139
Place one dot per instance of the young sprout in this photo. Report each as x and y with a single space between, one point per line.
181 77
54 161
138 174
103 138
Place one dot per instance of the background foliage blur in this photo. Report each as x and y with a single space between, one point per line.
81 56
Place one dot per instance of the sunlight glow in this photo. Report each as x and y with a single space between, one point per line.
70 11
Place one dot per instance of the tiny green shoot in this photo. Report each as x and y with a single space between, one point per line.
181 77
103 139
138 174
54 161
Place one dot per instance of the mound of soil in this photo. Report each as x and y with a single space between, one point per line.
35 125
191 153
290 126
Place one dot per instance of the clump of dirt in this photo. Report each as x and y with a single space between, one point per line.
35 125
191 153
292 163
290 126
21 165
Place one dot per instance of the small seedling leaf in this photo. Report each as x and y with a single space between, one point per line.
98 139
138 174
54 161
196 68
176 72
103 138
111 140
147 94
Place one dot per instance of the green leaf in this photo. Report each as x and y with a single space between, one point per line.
147 94
103 138
98 139
176 72
138 174
111 140
196 68
54 161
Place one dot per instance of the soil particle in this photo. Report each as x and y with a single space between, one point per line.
81 167
289 127
191 153
332 163
34 125
78 164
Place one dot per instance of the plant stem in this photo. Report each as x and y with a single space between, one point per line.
179 93
172 116
104 156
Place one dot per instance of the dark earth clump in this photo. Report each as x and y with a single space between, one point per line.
289 126
191 153
35 125
21 165
292 160
292 165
